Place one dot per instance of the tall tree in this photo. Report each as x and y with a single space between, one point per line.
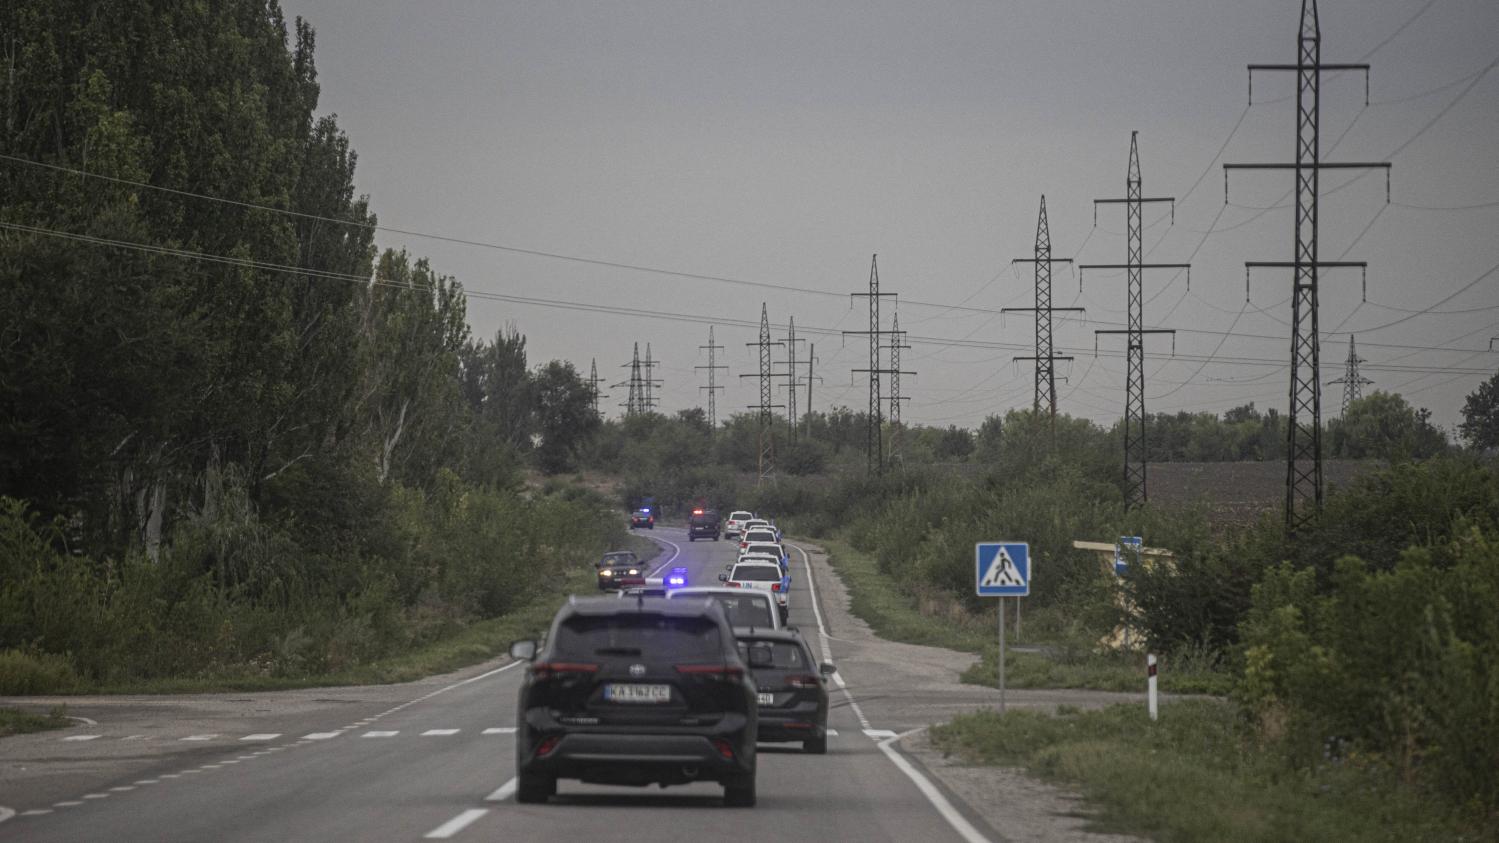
1480 425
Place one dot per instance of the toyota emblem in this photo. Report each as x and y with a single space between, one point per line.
637 670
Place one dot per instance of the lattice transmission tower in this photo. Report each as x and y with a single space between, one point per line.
1304 421
1136 453
1353 382
896 344
648 400
765 410
593 384
1046 376
874 422
634 403
713 388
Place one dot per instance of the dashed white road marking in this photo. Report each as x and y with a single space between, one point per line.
34 812
262 736
199 737
456 824
439 732
386 734
321 736
172 776
124 788
503 792
832 733
95 796
6 813
133 738
68 804
84 720
81 737
500 730
148 781
879 734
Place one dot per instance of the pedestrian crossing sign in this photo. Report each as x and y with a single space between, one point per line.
1002 569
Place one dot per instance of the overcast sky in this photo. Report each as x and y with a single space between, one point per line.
783 143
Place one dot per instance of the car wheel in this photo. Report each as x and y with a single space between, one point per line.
534 787
816 746
739 792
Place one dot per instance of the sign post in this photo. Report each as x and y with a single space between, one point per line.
1002 569
1126 552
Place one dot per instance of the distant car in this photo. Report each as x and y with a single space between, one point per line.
792 692
643 518
620 569
703 524
758 535
677 577
745 608
735 525
638 692
762 573
767 549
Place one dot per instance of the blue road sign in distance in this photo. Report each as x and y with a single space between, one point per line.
1002 569
1121 558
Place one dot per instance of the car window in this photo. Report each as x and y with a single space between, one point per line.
636 634
785 655
763 547
748 610
760 536
742 516
756 573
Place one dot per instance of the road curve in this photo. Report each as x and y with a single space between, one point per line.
439 765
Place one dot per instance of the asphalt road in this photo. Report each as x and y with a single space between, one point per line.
438 764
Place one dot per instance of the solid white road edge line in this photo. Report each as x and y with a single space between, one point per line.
964 828
822 631
676 551
503 792
456 824
959 824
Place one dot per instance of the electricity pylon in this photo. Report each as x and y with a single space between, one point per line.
1136 454
897 342
1353 382
874 422
1304 422
593 383
1046 377
634 403
712 387
648 398
765 410
792 417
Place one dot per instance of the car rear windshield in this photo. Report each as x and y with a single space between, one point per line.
748 610
756 573
633 634
705 518
742 516
765 536
763 547
787 655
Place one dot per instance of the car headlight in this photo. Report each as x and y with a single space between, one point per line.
634 572
606 573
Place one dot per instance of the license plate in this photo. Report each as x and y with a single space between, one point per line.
767 699
632 693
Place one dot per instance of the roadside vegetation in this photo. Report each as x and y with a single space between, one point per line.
14 721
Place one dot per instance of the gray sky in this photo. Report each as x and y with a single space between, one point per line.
783 143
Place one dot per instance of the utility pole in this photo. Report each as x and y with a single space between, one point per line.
593 384
1353 382
712 386
897 342
1136 455
812 359
792 380
765 410
1304 425
875 437
1046 378
633 404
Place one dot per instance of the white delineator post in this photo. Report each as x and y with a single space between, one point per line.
1150 670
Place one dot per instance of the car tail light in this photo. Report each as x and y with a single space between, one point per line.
548 746
724 748
547 670
805 681
775 586
719 671
731 584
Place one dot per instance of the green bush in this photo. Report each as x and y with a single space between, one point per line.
35 673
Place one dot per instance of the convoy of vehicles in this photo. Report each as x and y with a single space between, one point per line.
671 682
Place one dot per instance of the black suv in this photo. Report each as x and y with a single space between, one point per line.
704 524
637 692
792 688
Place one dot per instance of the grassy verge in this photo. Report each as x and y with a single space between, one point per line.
14 721
891 610
1062 668
1062 656
1195 776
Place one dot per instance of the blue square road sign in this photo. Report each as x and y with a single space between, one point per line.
1002 569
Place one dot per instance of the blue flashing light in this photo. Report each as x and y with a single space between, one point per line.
677 578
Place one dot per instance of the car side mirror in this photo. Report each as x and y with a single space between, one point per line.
827 669
761 656
723 577
524 650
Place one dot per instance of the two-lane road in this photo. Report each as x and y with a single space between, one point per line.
440 765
